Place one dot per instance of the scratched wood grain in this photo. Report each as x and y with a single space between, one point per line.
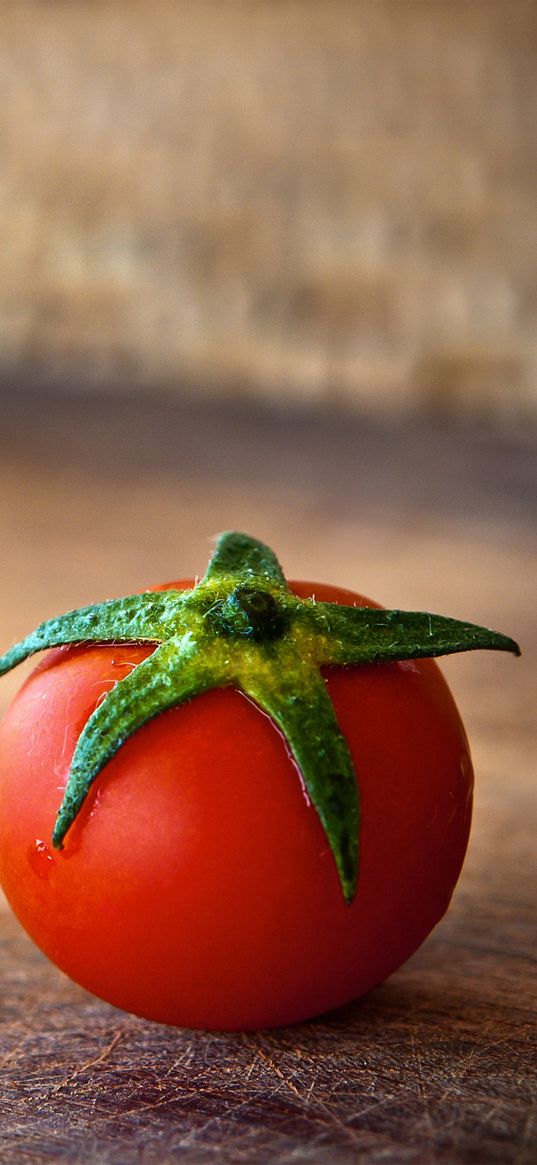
437 1064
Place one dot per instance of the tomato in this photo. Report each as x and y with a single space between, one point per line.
197 886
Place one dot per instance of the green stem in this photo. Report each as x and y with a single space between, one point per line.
244 558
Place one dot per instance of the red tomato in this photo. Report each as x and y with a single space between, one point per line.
197 887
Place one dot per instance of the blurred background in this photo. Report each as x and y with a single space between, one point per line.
287 201
271 265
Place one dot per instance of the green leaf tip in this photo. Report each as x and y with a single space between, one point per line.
240 555
241 626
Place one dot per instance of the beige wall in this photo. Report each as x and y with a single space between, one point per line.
319 199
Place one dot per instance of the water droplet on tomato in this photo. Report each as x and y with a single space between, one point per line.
41 859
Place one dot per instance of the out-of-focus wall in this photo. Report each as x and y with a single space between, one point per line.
314 199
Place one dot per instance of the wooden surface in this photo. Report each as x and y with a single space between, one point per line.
438 1063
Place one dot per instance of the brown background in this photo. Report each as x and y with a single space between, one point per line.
286 198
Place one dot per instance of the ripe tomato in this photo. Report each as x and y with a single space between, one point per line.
197 886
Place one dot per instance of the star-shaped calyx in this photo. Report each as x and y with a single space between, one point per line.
241 626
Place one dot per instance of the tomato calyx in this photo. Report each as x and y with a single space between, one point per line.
241 626
249 613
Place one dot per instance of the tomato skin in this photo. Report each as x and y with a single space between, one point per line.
197 887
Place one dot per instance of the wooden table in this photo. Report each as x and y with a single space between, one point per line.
435 1065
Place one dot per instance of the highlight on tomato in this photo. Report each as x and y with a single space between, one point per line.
239 802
